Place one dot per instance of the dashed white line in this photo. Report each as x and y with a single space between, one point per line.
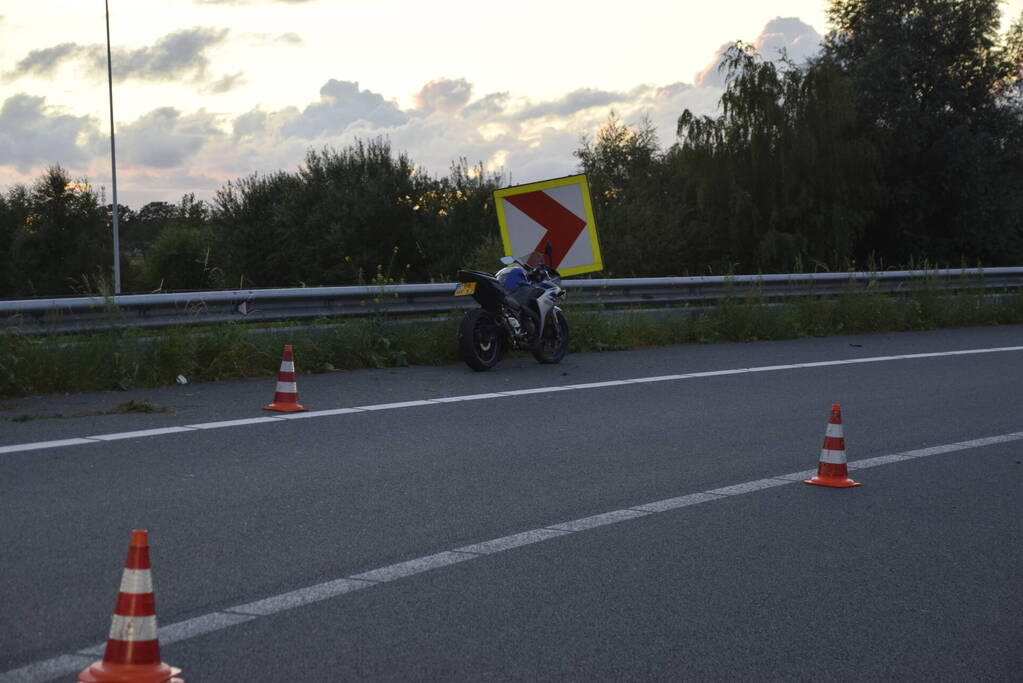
50 669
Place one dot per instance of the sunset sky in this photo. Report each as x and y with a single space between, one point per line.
206 91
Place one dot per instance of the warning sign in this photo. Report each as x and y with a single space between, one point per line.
552 212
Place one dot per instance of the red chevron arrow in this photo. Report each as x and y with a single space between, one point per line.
563 226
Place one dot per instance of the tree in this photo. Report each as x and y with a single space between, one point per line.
180 259
937 90
62 240
14 211
639 213
781 178
252 230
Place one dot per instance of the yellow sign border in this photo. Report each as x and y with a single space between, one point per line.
591 226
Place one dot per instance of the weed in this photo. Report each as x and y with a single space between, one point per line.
122 360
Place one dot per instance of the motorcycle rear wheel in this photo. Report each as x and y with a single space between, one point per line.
554 342
479 339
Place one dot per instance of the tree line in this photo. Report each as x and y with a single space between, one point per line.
901 143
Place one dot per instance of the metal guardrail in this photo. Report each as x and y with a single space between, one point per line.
90 314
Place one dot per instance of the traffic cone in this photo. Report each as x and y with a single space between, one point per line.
133 650
286 396
832 470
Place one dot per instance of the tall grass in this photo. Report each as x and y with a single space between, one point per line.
128 359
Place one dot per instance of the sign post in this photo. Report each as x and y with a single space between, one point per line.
555 213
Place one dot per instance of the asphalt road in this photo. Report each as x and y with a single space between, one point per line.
916 575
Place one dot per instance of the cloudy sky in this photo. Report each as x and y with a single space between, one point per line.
209 90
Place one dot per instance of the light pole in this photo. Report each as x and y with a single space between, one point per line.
113 161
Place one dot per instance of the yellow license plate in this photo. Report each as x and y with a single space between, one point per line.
465 288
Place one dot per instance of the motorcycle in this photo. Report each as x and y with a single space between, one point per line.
518 310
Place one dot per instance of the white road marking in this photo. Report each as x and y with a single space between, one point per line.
874 462
234 423
207 623
392 406
39 445
302 596
508 542
598 520
56 667
416 566
141 433
674 503
45 444
749 487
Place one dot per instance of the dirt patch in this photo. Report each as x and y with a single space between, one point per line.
120 409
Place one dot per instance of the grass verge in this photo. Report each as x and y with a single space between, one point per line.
130 359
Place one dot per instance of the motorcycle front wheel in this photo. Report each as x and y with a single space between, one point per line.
479 339
554 343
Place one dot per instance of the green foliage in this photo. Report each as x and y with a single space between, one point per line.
900 142
640 216
53 235
935 84
780 177
179 259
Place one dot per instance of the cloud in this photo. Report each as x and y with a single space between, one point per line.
224 84
166 138
573 102
799 40
168 152
341 104
249 2
174 55
491 104
33 134
45 61
444 95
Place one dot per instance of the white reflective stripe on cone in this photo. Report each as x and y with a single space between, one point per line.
137 581
832 457
287 388
833 430
287 366
133 629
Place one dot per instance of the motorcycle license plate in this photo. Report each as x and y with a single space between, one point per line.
465 288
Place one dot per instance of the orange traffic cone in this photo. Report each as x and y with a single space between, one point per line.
286 396
832 470
133 650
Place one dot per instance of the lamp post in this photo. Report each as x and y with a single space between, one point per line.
113 161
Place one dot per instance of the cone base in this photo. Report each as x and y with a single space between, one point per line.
833 482
103 672
286 407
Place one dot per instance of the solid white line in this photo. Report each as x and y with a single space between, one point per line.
420 564
392 406
207 623
675 503
44 444
612 517
15 448
597 385
234 423
47 670
468 397
140 433
498 545
302 596
749 487
874 462
525 392
320 413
